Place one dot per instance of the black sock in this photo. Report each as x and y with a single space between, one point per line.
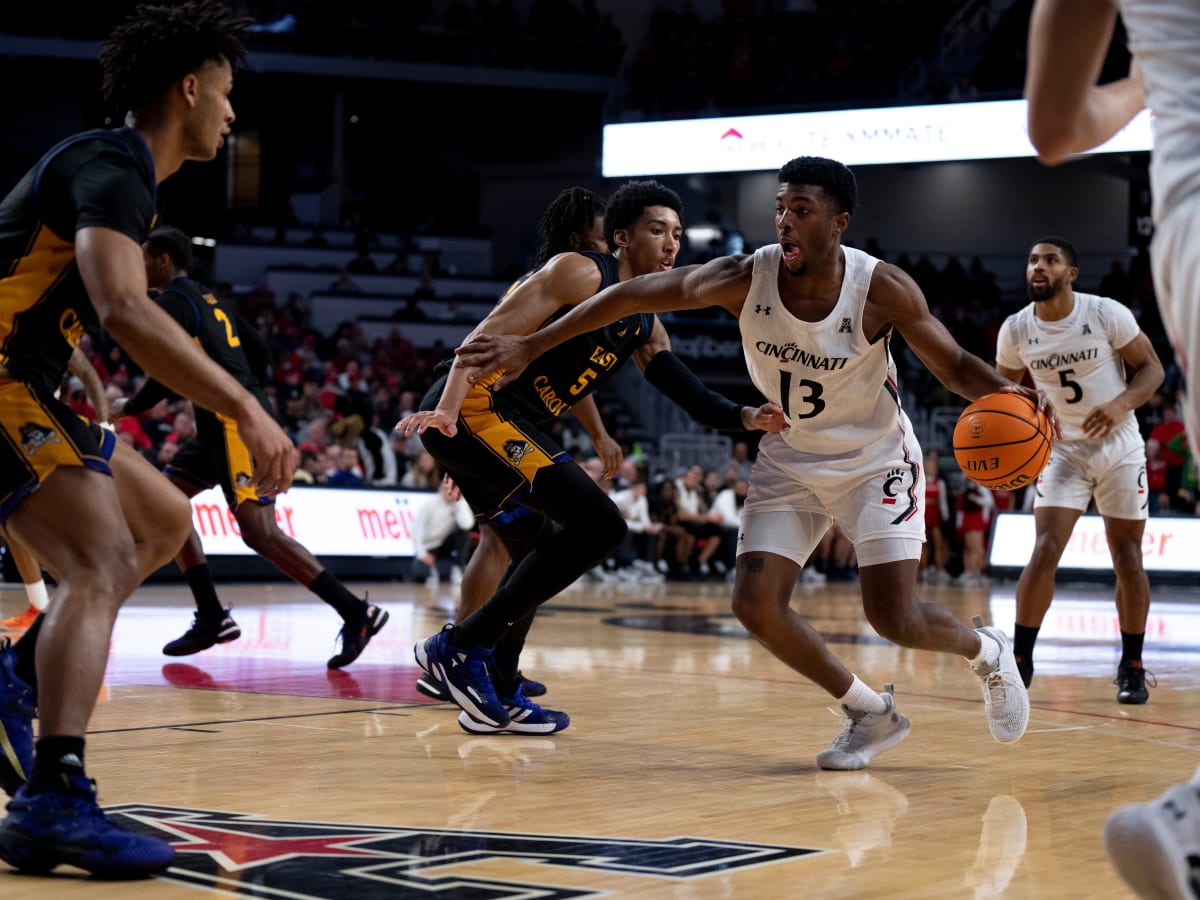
1024 638
53 759
25 648
1131 647
334 593
208 604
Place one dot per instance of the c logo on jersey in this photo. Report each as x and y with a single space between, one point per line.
71 327
35 436
516 450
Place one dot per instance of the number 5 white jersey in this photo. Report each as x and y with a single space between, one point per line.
1074 360
837 390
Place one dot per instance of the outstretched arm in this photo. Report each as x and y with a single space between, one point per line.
81 367
722 282
1068 112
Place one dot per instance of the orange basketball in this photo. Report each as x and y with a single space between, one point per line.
1002 441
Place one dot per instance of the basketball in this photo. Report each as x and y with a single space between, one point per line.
1002 441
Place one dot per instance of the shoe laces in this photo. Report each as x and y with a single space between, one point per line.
1134 677
851 735
997 681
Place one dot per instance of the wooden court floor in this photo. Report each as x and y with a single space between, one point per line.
687 773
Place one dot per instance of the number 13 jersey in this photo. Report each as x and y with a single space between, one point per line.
837 389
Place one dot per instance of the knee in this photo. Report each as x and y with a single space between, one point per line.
1127 559
609 528
755 615
898 624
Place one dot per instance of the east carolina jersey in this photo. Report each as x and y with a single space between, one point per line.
1074 360
569 372
1165 37
837 389
97 178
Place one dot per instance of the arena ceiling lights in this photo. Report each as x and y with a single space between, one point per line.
857 137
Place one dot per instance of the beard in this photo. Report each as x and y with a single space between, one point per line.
1042 292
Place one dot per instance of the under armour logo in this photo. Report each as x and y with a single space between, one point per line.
845 327
762 310
1033 340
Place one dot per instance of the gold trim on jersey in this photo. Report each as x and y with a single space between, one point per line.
33 277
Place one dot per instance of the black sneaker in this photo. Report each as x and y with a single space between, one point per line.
203 634
1025 669
428 686
1131 684
356 637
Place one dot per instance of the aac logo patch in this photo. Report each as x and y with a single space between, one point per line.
252 857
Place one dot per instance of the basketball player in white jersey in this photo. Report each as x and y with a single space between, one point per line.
1077 348
816 318
1155 846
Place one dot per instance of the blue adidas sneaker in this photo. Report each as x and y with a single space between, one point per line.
64 826
465 673
525 717
17 706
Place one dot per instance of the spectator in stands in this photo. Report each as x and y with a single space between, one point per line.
975 505
695 516
640 547
345 284
728 505
423 474
937 516
441 527
312 468
1156 478
675 543
347 470
1164 432
740 459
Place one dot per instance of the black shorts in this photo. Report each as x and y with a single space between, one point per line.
221 458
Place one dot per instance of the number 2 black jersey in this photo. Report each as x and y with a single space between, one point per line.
97 178
569 372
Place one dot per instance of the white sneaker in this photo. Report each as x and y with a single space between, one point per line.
1155 846
864 735
1005 699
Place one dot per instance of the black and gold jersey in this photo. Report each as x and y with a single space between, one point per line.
565 374
97 178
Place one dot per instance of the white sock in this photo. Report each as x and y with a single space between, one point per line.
36 592
989 651
862 697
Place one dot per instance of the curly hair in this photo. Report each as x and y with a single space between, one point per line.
630 200
1068 249
569 214
831 176
158 45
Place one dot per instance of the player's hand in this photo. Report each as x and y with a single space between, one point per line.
610 454
1103 419
420 422
1042 400
769 417
507 354
274 454
116 410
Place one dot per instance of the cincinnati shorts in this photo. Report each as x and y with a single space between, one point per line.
1112 471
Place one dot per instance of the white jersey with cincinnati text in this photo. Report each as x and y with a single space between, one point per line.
837 389
1074 360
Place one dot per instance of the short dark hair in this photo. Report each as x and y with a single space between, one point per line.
1067 248
630 200
831 176
158 45
173 242
571 213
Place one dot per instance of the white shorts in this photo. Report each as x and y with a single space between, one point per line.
876 495
1112 470
1175 259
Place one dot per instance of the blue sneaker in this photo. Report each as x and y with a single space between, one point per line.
532 688
465 674
17 705
525 717
64 826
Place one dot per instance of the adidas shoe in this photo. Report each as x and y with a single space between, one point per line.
1131 684
525 717
64 826
355 637
1155 846
17 706
865 735
1005 698
529 687
432 688
203 634
465 673
21 621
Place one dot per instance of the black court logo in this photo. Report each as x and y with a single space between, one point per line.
252 857
35 436
515 451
